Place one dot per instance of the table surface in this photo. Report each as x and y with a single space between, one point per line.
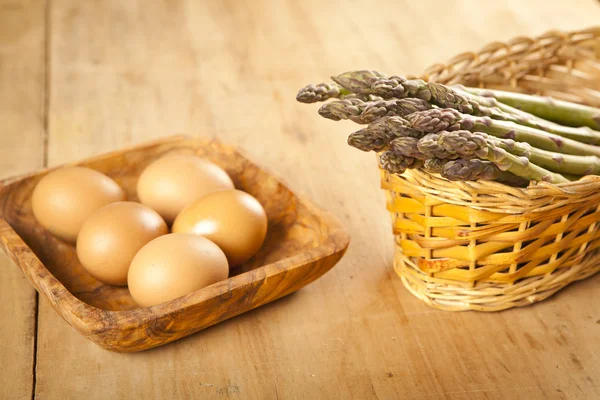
82 78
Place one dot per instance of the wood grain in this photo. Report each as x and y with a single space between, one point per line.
22 82
124 72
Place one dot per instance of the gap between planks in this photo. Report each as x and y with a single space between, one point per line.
45 140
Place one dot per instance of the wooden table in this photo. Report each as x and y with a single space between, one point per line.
80 78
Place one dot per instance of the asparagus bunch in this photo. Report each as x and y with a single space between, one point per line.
462 133
475 169
436 120
364 112
558 111
322 92
470 170
466 145
369 82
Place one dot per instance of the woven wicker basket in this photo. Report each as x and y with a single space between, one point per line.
486 246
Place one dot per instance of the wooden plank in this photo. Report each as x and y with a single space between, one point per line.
125 72
22 79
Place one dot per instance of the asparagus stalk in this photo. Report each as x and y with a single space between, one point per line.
562 112
583 134
436 93
364 112
364 140
465 144
474 169
455 171
344 109
358 81
460 169
431 147
469 103
321 92
434 165
370 82
383 108
407 146
470 170
418 124
396 163
436 120
388 128
366 82
565 164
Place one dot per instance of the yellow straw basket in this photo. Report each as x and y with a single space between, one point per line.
484 245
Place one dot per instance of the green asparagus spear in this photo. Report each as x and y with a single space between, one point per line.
364 140
583 134
406 146
548 108
321 92
465 144
565 164
364 112
475 169
470 170
418 124
436 120
384 108
366 82
431 147
396 163
344 109
434 165
358 81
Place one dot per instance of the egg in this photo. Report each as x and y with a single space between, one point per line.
64 199
174 265
176 180
233 219
111 237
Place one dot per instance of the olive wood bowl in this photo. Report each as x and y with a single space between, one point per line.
303 242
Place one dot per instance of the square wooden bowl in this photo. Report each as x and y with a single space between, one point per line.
303 242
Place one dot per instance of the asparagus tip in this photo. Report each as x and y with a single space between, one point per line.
302 98
365 141
320 92
326 112
357 81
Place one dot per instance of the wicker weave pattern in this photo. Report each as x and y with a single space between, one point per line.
486 246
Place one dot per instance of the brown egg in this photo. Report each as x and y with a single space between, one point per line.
66 197
234 220
174 265
112 236
176 180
